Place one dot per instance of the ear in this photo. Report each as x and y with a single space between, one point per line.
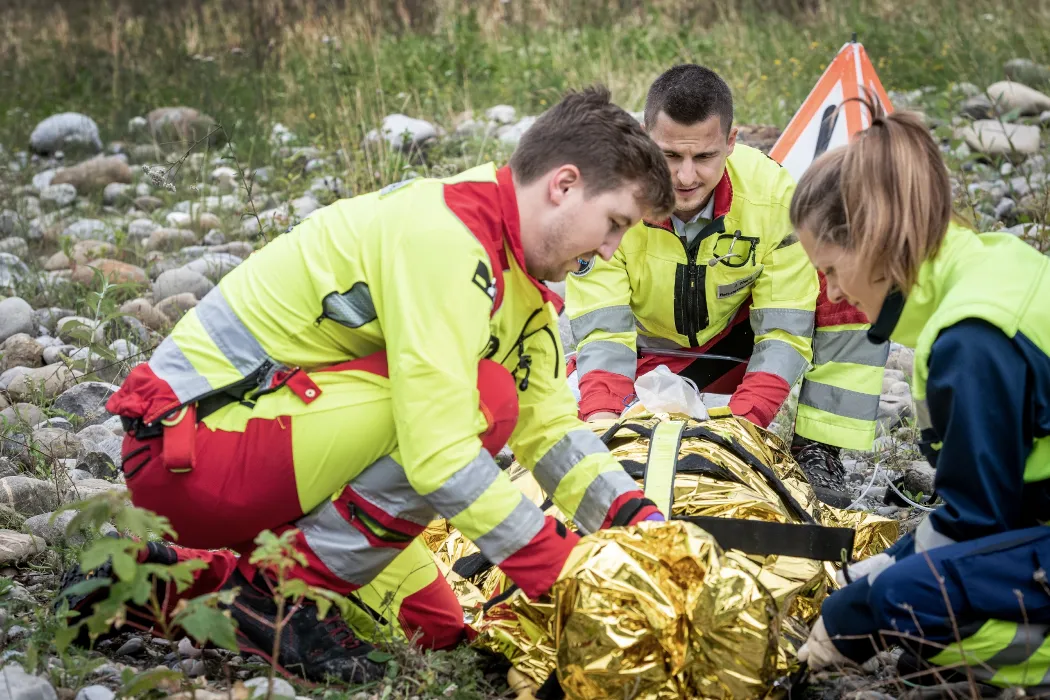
732 140
561 182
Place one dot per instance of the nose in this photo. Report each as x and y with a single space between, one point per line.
608 248
835 294
687 172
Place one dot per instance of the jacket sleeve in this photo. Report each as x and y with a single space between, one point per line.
568 460
435 320
782 315
598 304
976 394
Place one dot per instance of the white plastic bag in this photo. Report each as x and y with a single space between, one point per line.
663 391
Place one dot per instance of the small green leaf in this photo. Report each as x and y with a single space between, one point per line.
87 586
206 623
379 656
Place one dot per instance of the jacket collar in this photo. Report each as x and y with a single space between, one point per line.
723 195
511 234
902 319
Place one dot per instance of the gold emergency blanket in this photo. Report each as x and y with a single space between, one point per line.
658 611
659 605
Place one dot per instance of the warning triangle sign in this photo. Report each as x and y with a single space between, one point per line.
815 128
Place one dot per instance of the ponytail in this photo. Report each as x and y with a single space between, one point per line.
885 196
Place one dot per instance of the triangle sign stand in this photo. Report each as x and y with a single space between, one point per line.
816 127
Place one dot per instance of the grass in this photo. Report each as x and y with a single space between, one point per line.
331 75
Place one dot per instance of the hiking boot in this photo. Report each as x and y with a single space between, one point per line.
823 469
83 603
311 648
915 672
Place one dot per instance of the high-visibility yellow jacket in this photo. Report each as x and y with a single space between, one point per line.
431 270
657 292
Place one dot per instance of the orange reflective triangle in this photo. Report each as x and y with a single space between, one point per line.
816 127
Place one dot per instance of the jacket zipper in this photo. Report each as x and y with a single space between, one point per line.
692 302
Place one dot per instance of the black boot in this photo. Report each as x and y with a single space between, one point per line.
823 469
82 604
311 648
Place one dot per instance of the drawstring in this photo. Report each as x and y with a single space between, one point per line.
524 359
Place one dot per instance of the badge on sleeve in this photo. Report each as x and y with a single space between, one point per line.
483 280
585 266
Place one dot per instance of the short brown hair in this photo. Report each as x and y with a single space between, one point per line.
885 195
606 143
688 93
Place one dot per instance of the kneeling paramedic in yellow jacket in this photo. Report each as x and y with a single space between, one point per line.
332 384
725 276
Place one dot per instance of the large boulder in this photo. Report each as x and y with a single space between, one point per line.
68 131
16 684
49 380
87 400
1032 74
16 316
113 270
991 137
20 350
93 175
28 496
182 126
58 196
1009 96
402 133
12 270
181 281
88 229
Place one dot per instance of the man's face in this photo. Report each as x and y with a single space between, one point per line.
576 227
696 155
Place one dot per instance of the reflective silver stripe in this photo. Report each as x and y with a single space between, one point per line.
840 402
779 358
922 415
353 308
465 486
927 538
170 364
606 355
384 485
611 319
566 454
1027 640
599 497
653 342
848 346
229 334
798 322
342 547
516 531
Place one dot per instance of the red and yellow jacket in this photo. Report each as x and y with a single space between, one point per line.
432 271
658 292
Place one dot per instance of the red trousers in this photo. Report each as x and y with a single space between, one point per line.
327 469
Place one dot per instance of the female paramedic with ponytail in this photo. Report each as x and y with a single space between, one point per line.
968 588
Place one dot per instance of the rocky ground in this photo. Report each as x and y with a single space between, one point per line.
104 246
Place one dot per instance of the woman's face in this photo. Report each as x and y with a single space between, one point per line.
849 279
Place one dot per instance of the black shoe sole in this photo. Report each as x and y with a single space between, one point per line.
832 497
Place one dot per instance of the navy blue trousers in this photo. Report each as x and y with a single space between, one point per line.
944 594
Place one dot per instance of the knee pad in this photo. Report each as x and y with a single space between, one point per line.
499 404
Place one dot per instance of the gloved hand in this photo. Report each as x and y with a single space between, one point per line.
819 651
872 566
631 508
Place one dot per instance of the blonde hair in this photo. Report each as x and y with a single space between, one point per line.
886 196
